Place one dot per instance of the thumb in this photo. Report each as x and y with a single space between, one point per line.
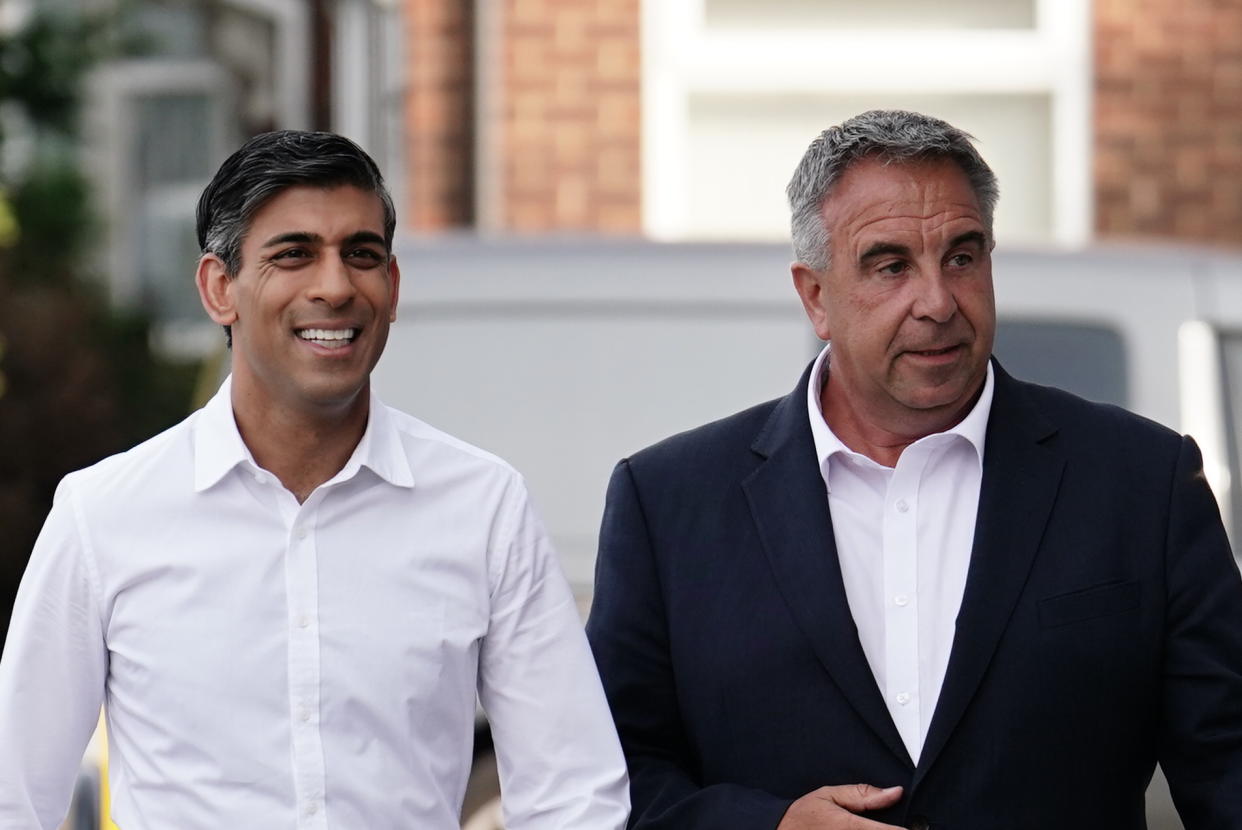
858 798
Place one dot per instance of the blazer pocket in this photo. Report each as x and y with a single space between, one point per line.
1088 603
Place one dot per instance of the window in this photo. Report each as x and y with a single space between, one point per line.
1088 360
734 91
1231 377
874 14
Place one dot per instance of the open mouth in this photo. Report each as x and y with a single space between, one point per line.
328 338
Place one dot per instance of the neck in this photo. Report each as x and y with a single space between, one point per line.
302 448
879 438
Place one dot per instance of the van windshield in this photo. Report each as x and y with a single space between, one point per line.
1084 358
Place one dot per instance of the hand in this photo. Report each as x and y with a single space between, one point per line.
834 808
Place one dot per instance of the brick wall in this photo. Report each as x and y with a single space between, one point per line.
439 114
564 131
1168 119
571 137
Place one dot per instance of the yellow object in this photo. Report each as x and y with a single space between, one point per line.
9 230
105 795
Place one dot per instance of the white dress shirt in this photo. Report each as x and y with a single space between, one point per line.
904 536
267 664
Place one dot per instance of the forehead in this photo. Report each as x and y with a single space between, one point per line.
915 196
324 211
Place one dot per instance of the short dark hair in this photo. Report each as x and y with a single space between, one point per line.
892 136
268 164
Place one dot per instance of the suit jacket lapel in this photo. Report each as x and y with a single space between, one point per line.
1020 480
790 508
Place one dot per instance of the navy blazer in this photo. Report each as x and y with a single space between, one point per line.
1100 631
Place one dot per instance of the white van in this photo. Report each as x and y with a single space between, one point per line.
564 355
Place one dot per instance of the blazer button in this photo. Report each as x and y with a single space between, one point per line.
919 823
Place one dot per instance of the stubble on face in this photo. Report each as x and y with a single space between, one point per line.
907 300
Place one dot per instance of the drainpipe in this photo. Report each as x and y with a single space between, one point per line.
488 78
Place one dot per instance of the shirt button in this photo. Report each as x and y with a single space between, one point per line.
902 506
312 808
901 600
303 621
903 698
304 715
301 533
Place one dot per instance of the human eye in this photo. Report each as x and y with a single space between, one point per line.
291 257
364 257
960 260
893 268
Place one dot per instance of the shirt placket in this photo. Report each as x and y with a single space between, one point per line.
901 617
302 586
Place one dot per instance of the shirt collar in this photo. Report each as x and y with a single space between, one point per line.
973 427
218 445
381 449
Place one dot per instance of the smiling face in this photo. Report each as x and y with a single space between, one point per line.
311 303
906 299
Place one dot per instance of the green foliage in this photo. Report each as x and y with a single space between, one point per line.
42 64
78 380
55 226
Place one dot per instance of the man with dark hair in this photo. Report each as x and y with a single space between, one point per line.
288 601
916 588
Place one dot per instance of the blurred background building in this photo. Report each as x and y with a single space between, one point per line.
676 120
669 120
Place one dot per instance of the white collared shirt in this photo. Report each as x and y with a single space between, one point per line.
904 536
267 664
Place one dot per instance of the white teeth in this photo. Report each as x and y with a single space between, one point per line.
328 334
329 338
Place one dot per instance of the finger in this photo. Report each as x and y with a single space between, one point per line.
859 823
859 798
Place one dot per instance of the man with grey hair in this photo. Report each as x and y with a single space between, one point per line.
288 602
916 592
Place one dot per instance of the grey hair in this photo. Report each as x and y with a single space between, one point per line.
892 136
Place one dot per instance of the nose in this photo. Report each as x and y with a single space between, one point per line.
934 300
332 284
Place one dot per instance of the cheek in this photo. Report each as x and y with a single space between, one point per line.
881 318
979 308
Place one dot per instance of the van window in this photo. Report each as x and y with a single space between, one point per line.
1231 369
1086 359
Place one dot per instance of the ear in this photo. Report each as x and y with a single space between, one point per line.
215 290
394 275
809 284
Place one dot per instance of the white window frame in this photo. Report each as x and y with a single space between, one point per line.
368 90
682 56
110 117
115 90
291 21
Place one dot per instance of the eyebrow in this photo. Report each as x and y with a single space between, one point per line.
882 249
977 237
302 237
366 238
307 238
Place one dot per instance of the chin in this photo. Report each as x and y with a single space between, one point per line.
938 398
333 394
